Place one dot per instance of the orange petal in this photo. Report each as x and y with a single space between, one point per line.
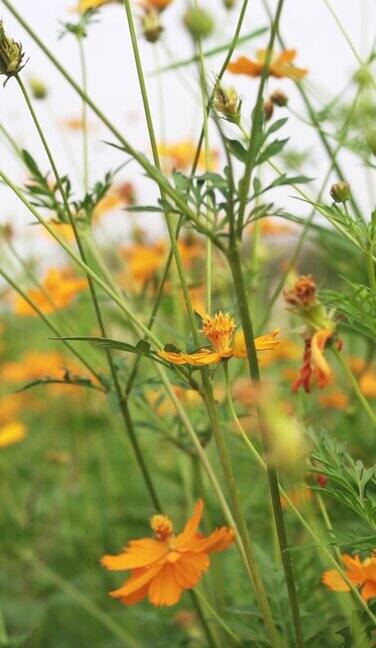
264 343
189 568
219 540
191 526
164 588
139 553
137 581
173 357
244 65
203 357
322 368
333 579
369 590
287 56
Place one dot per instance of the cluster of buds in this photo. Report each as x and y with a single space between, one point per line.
227 103
277 98
11 55
320 332
199 22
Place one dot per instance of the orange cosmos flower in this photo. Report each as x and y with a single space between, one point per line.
315 368
367 384
60 287
164 566
298 496
225 344
12 433
360 573
280 66
158 5
122 195
180 155
85 5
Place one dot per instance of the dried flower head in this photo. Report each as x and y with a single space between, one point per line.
11 55
303 294
151 25
227 102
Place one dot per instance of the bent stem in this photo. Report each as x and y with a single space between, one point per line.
238 279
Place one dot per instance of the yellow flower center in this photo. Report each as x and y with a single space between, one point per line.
162 527
219 330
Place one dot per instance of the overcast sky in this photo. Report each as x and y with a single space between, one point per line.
306 25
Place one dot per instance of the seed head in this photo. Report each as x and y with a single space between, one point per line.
11 54
227 102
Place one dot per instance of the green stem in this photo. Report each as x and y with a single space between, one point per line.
257 121
85 149
218 619
238 280
122 403
362 400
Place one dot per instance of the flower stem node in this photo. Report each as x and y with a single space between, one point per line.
151 25
341 192
199 22
11 55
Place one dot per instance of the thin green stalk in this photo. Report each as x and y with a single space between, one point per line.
85 142
256 121
82 258
354 383
298 515
238 279
218 619
210 638
314 119
82 600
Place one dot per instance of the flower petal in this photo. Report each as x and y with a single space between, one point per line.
219 540
203 357
244 65
369 590
137 581
333 579
191 526
164 588
139 553
266 342
189 568
173 357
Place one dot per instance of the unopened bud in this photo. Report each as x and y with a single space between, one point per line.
340 192
151 25
198 22
278 98
227 102
229 4
38 88
303 293
11 55
321 479
268 110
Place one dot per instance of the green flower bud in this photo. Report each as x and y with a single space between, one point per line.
198 22
151 25
11 55
38 88
364 76
340 192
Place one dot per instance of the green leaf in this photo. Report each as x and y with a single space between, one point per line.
271 150
140 347
237 149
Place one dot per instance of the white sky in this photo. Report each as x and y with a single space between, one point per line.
306 25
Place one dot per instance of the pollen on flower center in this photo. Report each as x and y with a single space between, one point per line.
219 330
162 527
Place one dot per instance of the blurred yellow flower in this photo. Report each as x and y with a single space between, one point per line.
180 156
59 287
34 365
11 433
367 384
144 260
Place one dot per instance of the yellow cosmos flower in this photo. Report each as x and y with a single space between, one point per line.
12 433
180 155
225 343
59 288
